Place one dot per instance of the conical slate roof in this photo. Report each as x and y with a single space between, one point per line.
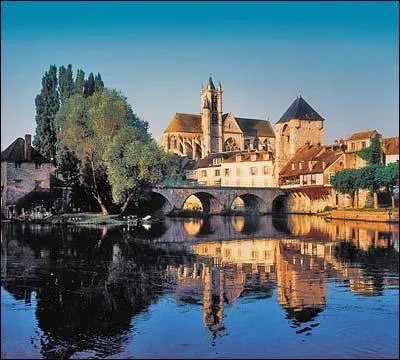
210 82
301 110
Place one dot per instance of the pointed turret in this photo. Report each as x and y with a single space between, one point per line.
300 110
211 84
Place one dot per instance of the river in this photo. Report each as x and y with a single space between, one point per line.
224 287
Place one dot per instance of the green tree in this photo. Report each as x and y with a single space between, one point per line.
89 86
134 164
86 126
367 180
346 182
47 104
66 83
373 153
388 176
79 83
98 83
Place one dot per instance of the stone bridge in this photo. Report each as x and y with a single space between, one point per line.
219 200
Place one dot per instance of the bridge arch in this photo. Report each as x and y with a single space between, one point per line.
159 202
209 203
280 204
248 202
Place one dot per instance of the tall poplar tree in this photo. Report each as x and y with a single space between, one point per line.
47 104
66 83
79 82
89 86
98 83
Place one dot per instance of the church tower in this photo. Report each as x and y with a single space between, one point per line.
298 126
211 118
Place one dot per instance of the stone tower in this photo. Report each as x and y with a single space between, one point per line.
298 126
211 118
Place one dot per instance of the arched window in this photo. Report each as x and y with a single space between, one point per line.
173 143
230 145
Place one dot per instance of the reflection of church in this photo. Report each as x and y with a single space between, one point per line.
212 131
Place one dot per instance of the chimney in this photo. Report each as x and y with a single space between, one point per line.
28 146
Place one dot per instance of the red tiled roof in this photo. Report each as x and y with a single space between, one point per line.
391 146
246 156
362 135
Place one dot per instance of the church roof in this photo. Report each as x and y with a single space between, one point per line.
254 127
16 153
301 110
189 123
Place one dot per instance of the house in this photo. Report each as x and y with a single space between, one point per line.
391 150
360 140
25 178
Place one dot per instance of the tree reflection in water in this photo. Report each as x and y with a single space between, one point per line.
91 283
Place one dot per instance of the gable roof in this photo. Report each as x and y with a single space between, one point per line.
362 135
208 160
246 156
189 123
391 145
16 153
255 127
317 154
301 110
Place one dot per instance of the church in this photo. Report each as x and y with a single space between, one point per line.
212 131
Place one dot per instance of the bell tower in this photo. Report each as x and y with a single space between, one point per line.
211 118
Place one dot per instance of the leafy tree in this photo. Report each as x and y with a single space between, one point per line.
346 182
373 153
86 127
89 86
367 180
47 104
79 82
388 176
134 164
66 82
98 83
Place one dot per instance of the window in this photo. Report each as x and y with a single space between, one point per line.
228 253
266 156
363 144
218 251
217 161
238 172
340 163
353 146
18 165
18 182
300 165
238 158
227 172
218 172
337 199
253 157
37 165
204 173
265 170
313 179
253 170
293 166
254 254
247 144
267 254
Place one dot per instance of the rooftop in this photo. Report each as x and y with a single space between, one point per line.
301 110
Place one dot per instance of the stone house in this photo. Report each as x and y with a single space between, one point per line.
25 177
360 140
391 150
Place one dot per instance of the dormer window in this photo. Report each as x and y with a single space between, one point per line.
217 161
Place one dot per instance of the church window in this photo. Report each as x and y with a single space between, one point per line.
230 145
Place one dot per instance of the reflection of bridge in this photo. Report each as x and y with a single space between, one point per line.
218 200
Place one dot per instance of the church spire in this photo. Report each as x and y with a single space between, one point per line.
211 84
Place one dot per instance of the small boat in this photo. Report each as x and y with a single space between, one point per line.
146 218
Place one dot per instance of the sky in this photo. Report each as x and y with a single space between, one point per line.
342 57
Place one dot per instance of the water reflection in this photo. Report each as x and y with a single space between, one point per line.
89 284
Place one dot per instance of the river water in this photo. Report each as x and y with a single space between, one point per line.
223 287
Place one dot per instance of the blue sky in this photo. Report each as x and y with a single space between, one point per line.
342 56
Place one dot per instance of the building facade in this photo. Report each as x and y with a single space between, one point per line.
25 177
212 131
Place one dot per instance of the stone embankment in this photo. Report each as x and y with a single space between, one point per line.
375 215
